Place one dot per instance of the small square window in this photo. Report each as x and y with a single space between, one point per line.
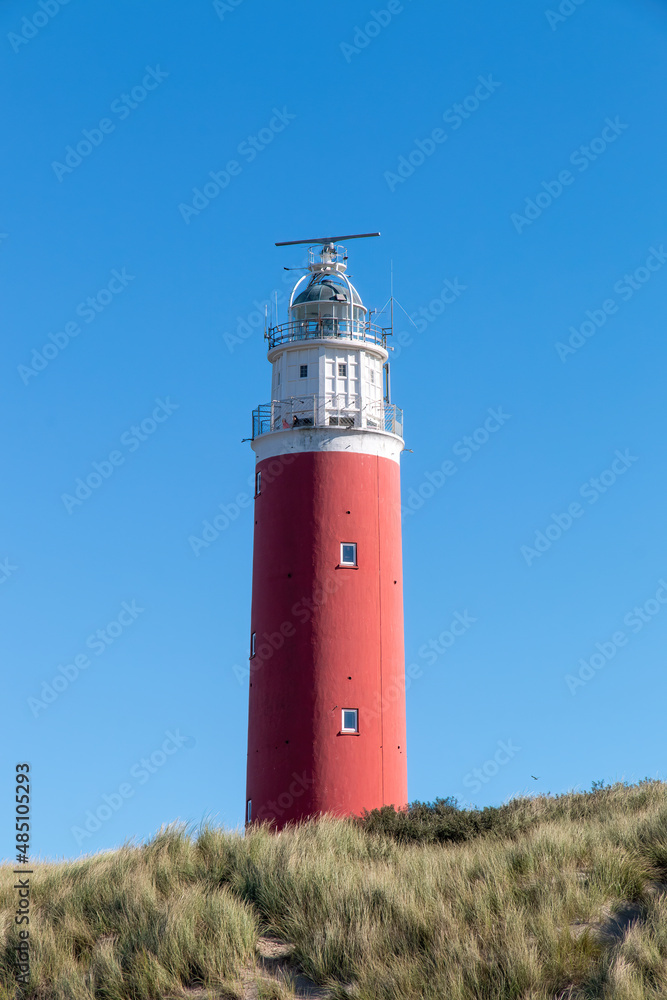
258 483
348 553
248 811
303 371
253 638
350 721
342 370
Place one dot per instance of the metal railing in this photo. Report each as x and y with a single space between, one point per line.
329 411
320 329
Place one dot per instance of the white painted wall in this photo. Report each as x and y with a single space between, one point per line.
362 382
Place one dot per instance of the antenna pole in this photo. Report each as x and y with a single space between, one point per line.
392 297
387 376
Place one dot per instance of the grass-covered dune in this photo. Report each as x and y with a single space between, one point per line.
540 898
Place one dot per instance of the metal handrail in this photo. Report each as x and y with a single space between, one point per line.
308 411
325 327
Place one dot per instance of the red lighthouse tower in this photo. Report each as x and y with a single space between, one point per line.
326 729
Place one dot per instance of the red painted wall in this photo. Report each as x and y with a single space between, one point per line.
327 638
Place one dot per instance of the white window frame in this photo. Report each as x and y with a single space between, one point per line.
343 727
343 365
258 483
248 811
343 545
253 643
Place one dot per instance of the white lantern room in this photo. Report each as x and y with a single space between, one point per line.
329 362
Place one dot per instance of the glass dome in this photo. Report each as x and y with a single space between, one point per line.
326 288
328 296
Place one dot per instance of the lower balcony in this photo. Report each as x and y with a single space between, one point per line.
316 411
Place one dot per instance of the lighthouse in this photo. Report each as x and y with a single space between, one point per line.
326 723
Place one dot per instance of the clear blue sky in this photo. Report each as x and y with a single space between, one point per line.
578 97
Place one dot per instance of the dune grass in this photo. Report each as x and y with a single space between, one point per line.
508 904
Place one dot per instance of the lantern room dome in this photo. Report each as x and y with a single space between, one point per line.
326 289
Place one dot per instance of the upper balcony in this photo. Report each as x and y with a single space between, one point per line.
325 328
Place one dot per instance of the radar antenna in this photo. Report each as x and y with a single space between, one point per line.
326 239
